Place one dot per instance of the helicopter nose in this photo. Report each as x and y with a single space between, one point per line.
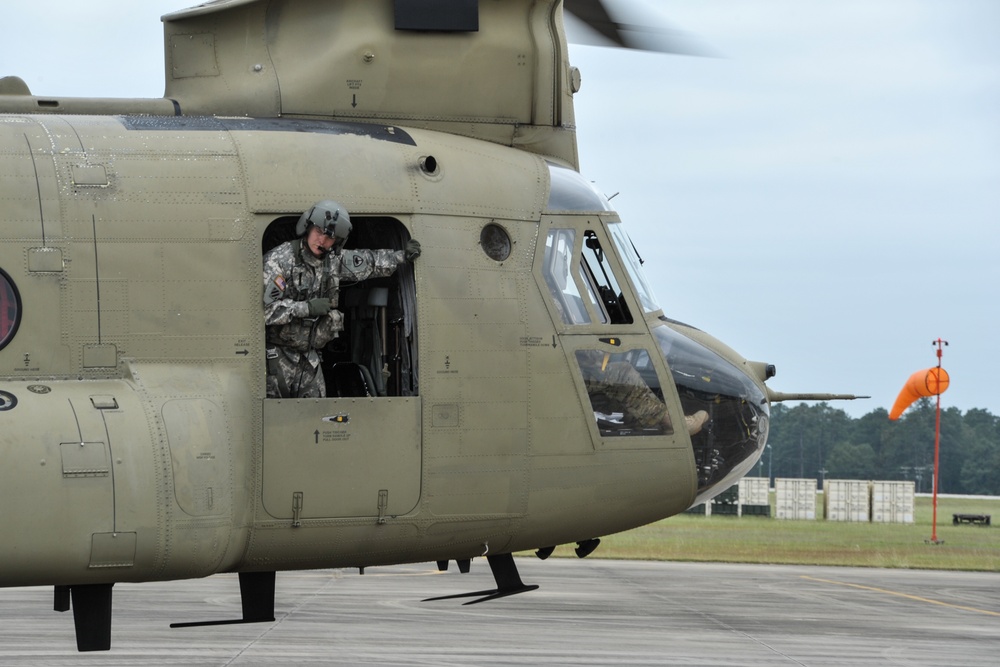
725 408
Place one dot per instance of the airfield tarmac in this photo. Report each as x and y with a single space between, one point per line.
589 612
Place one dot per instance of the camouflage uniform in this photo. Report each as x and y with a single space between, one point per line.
622 385
292 276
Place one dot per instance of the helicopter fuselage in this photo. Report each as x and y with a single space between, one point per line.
133 418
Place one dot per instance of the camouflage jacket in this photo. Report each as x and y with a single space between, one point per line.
621 383
292 277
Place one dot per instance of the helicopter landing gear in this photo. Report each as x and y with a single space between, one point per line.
91 604
507 578
257 596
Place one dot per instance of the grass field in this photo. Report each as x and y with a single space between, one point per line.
767 540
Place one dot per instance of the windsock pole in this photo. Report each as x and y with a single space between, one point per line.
937 442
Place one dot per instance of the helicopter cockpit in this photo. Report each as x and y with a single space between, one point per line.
590 298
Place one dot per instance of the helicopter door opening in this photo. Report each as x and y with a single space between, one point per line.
374 354
357 452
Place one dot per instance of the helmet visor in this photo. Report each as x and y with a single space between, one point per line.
337 229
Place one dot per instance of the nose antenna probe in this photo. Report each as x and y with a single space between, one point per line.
780 396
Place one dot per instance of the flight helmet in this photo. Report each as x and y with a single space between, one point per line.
331 218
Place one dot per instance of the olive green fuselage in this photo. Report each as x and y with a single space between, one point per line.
137 441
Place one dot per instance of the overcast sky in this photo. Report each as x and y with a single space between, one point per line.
824 196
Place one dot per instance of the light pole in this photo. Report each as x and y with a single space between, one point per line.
770 481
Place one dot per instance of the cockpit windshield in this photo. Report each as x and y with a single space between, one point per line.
633 264
738 411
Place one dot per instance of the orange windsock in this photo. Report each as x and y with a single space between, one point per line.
929 382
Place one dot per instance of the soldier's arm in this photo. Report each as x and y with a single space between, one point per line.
278 307
637 398
356 265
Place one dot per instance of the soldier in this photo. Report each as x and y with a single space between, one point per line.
622 385
301 287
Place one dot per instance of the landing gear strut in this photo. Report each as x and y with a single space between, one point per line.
507 578
91 604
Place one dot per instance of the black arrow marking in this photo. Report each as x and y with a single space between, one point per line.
354 100
317 437
243 352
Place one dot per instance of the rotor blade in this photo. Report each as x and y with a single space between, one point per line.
593 13
642 32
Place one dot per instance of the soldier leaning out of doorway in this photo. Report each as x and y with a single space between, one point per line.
301 288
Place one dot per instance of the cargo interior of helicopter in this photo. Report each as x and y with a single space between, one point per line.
375 354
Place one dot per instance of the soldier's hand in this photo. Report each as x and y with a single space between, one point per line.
412 250
319 307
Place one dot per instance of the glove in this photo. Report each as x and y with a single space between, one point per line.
412 250
319 307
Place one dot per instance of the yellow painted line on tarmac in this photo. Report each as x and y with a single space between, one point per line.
916 598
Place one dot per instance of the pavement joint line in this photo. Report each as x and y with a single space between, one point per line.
903 595
278 620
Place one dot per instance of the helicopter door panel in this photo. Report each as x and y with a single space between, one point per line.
341 457
196 435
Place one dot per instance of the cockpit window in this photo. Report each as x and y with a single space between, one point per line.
563 265
603 277
624 392
10 309
591 290
557 269
633 264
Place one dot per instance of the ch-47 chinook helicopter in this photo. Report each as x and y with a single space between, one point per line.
137 441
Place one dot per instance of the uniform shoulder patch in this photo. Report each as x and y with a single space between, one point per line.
274 291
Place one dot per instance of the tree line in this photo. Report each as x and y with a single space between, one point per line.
826 443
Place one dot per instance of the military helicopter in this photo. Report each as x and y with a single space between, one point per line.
462 416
